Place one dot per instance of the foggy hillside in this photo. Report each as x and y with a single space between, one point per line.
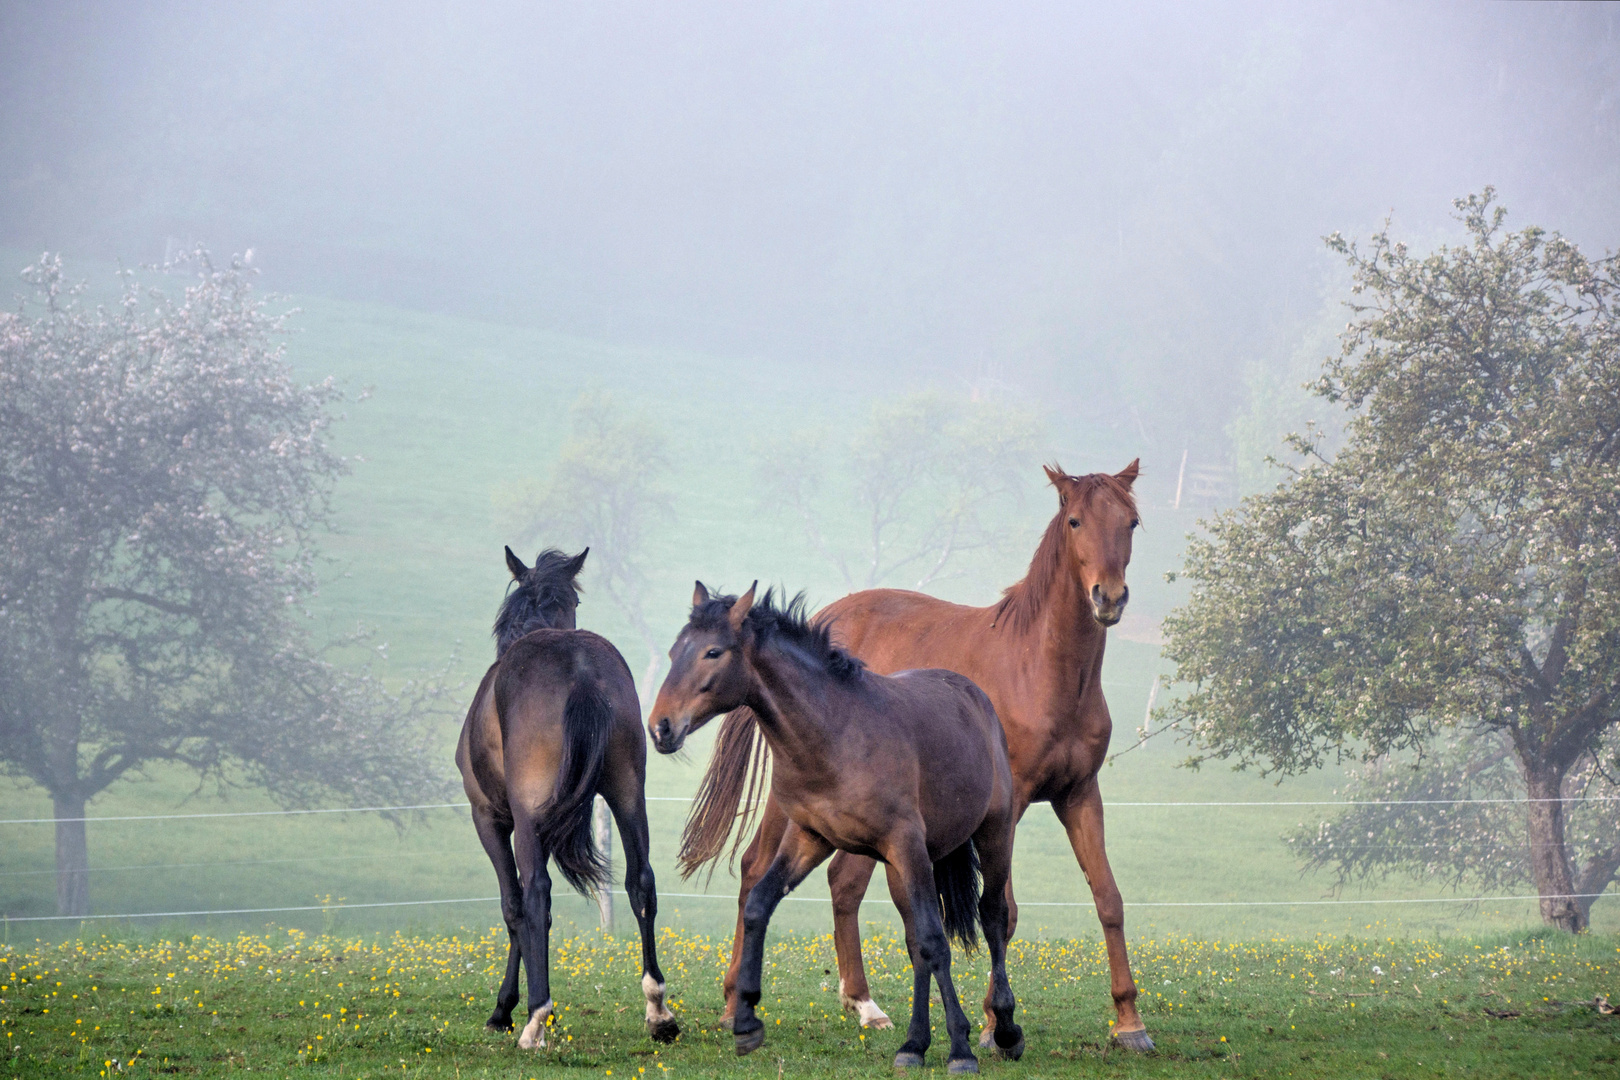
1114 211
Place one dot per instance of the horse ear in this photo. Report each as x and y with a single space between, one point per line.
1128 474
1058 479
700 595
739 610
515 564
577 563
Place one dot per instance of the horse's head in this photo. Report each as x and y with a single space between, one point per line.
1097 515
542 597
708 673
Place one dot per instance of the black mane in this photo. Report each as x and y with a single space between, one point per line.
790 624
546 592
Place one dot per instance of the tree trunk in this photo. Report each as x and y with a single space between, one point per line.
602 820
72 858
1549 858
1594 878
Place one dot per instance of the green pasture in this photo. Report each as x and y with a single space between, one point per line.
284 1004
458 413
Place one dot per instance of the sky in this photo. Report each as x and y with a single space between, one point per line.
1116 210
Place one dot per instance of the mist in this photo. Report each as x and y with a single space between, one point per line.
1111 210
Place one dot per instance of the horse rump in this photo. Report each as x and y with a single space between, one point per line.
958 880
563 824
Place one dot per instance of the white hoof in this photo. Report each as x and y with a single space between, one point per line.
534 1032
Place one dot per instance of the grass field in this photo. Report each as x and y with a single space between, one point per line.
459 411
284 1003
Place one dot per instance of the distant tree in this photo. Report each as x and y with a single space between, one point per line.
1414 823
931 479
1453 570
162 479
607 492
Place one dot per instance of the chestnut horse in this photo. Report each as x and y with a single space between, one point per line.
1038 654
556 722
911 769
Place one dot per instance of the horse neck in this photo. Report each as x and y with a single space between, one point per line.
538 621
1067 631
790 701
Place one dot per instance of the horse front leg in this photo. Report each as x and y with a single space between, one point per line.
756 858
800 852
1082 818
534 930
642 889
847 879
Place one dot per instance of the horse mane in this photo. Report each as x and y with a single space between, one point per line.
788 624
1022 602
534 603
728 796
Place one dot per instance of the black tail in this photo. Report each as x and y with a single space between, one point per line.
956 876
563 825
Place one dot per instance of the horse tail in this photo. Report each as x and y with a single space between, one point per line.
957 878
563 823
728 795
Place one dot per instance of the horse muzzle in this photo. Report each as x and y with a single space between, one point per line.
1109 609
666 740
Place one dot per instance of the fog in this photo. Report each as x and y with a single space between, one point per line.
1112 210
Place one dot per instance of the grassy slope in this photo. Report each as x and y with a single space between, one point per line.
462 408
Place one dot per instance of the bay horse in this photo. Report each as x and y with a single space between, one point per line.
556 722
910 769
1038 654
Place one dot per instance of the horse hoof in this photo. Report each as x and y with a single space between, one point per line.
1015 1051
749 1041
1134 1040
664 1031
905 1059
962 1065
987 1037
498 1026
726 1022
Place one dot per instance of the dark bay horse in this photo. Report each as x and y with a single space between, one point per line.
1038 654
556 722
910 769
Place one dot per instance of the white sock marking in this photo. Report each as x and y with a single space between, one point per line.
534 1032
653 991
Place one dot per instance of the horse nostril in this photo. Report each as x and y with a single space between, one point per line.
663 729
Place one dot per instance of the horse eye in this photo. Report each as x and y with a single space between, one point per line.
1074 523
1135 522
713 654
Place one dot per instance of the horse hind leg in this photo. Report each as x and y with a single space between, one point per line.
847 879
496 837
995 860
642 888
534 932
987 1036
931 955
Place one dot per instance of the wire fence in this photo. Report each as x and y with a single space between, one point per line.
688 798
808 900
731 897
